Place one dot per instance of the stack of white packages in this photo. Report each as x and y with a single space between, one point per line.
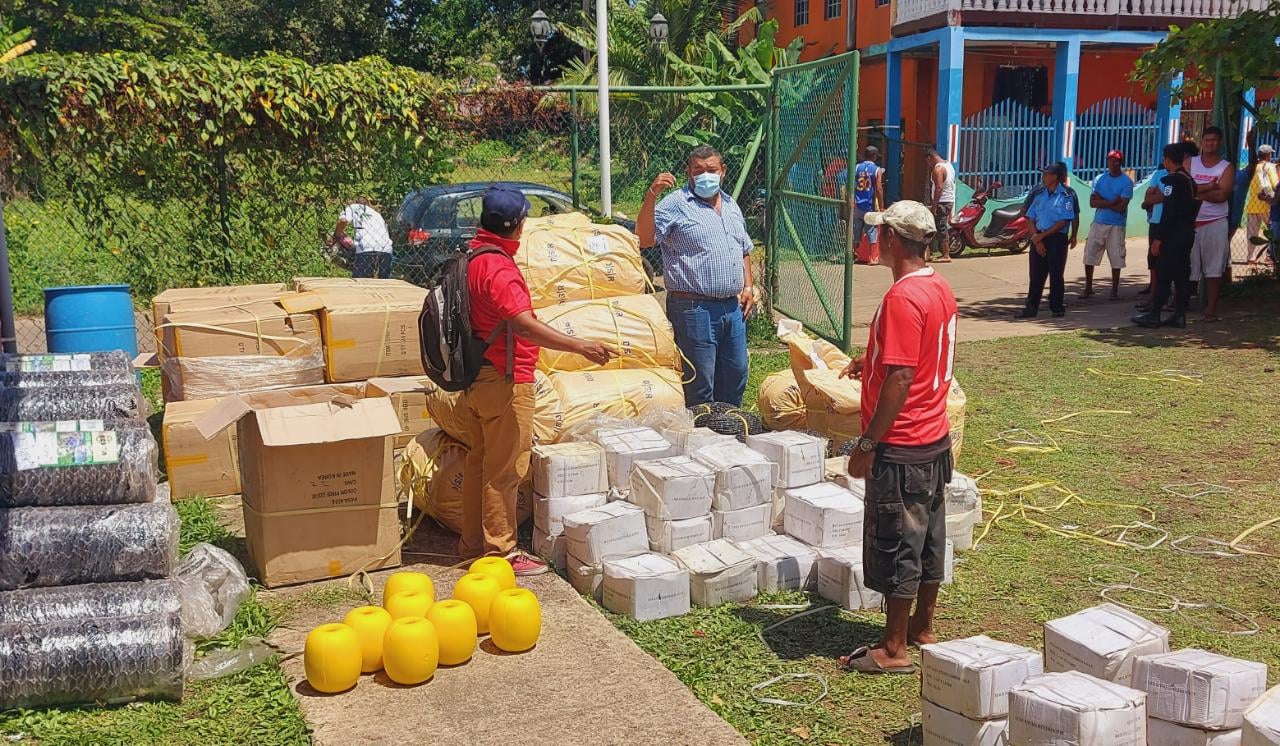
612 531
782 563
567 478
741 505
964 510
719 572
1103 641
624 447
964 688
801 460
838 577
1078 709
675 495
645 587
689 442
1262 721
823 515
1197 698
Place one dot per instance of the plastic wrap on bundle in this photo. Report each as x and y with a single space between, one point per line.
212 585
63 378
585 431
100 467
211 377
117 360
680 420
42 547
89 601
102 659
119 402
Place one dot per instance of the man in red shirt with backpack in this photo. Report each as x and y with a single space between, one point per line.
904 453
501 398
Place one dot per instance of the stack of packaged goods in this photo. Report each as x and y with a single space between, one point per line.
1103 641
1197 698
675 495
964 510
567 478
964 689
1262 721
799 460
610 532
1071 707
742 498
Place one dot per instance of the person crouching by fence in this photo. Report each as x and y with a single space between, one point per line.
1052 212
706 260
904 452
369 239
1174 237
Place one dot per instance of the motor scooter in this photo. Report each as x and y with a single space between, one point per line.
1008 229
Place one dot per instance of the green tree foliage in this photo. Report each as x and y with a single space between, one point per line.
153 26
318 31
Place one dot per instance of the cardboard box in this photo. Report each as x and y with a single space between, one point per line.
196 466
646 587
742 525
823 515
1076 708
586 578
1198 688
838 577
626 446
744 478
1102 641
672 489
963 495
689 442
549 512
719 572
836 467
307 284
210 297
973 676
1262 721
667 536
315 464
1165 733
857 486
960 528
942 727
613 530
370 332
409 398
801 458
551 547
781 562
566 469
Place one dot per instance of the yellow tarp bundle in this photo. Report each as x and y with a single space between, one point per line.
447 409
780 402
431 475
567 257
635 326
617 393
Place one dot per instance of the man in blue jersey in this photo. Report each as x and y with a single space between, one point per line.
868 194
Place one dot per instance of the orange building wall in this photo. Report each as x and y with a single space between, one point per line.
873 23
1105 74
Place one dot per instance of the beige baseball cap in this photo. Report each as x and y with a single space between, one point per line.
907 218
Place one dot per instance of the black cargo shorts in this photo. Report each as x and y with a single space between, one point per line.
904 530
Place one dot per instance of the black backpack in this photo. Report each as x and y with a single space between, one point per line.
451 353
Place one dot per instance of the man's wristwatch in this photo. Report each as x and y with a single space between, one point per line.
864 445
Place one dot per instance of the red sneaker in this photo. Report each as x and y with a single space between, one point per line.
524 565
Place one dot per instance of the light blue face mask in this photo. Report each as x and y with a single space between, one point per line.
706 185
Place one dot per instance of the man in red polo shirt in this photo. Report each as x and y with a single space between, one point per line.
500 400
904 452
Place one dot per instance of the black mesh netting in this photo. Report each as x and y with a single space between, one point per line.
728 420
92 659
119 402
715 407
131 479
42 547
44 605
48 379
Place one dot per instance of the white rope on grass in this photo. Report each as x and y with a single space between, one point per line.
1092 355
1175 605
1193 490
755 690
1226 552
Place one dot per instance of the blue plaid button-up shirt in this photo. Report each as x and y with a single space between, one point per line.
702 250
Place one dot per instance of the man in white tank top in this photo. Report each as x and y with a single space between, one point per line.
942 176
1215 179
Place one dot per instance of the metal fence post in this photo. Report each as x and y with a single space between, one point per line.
573 145
770 202
8 329
851 113
224 210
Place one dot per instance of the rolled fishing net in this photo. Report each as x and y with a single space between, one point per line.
43 547
116 402
106 467
44 605
729 420
117 360
52 378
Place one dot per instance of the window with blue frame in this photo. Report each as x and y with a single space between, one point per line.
802 13
882 3
832 9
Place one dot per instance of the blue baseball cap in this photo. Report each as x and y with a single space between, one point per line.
503 208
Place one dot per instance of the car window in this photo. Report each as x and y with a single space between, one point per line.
559 205
468 212
541 205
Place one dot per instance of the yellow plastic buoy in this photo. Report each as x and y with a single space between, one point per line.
497 567
331 658
399 582
370 624
515 620
455 625
411 651
409 603
478 591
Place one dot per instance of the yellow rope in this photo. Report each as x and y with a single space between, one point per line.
1163 376
1023 510
1235 543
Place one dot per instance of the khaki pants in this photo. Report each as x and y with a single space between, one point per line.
501 438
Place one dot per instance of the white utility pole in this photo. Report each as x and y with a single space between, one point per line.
602 93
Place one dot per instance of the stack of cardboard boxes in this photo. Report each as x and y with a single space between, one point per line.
965 685
1197 698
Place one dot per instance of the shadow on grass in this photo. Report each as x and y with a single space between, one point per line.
909 736
827 634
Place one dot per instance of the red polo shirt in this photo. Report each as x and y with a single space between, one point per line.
499 293
915 326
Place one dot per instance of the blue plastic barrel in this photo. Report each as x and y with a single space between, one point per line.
90 318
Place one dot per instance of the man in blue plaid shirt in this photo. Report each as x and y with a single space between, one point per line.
706 259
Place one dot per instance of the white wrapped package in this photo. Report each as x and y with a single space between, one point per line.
568 469
549 512
836 467
960 528
667 536
1076 709
839 577
942 727
1102 641
672 488
1198 688
1262 720
719 572
689 442
854 485
550 546
586 577
948 571
742 525
613 530
646 587
801 458
782 563
626 446
1165 733
973 676
962 494
823 515
744 478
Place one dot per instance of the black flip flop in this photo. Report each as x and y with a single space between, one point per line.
860 661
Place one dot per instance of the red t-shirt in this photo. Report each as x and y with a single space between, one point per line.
915 326
498 293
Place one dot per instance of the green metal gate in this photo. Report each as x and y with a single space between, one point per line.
813 138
